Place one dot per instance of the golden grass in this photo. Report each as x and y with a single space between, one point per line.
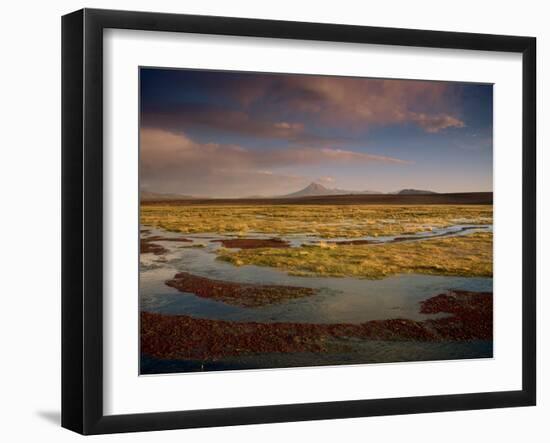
468 255
327 221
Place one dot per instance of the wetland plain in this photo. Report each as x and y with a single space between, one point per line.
233 286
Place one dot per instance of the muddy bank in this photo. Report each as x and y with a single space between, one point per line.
253 243
240 294
184 337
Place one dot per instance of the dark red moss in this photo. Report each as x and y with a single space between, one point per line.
146 246
472 314
184 337
241 294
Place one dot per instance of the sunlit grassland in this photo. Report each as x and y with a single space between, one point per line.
326 221
467 255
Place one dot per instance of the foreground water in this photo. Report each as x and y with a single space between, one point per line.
337 300
365 352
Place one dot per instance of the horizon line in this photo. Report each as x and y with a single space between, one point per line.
184 196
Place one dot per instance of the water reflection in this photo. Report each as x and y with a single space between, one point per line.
349 300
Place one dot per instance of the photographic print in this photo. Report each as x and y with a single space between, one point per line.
293 220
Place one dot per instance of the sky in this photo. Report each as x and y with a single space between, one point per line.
239 134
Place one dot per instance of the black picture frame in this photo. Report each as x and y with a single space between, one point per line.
82 218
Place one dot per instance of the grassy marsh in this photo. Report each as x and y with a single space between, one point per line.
326 221
467 255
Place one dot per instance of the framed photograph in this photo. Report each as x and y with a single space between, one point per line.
269 221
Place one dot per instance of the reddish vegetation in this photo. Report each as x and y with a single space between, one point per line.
241 294
146 246
184 337
472 314
180 337
254 243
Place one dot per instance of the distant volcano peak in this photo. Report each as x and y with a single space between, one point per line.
313 186
314 189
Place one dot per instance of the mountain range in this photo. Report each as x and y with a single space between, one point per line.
312 190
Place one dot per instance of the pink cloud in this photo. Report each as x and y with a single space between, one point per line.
175 163
436 123
364 102
334 102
